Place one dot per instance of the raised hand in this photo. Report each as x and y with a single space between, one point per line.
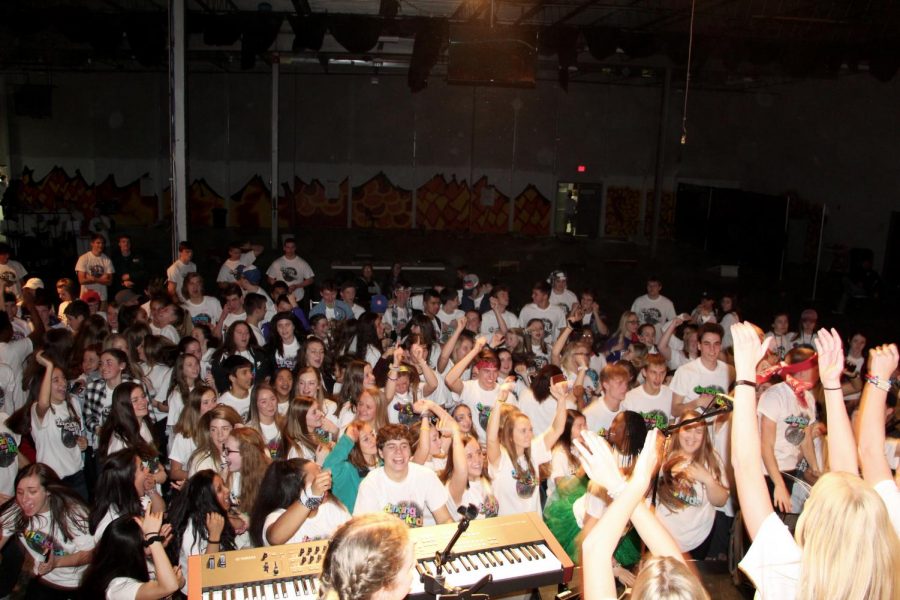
883 361
497 339
480 341
42 359
215 524
831 358
322 482
598 460
748 349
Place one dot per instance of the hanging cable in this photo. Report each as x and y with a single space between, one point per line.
687 81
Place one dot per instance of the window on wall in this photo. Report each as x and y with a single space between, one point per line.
578 209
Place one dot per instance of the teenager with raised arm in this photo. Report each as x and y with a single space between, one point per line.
841 449
480 392
663 576
843 516
447 349
515 454
875 469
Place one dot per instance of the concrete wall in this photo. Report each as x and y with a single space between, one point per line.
835 142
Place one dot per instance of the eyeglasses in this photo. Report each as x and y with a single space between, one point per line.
226 451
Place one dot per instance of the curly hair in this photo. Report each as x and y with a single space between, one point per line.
364 556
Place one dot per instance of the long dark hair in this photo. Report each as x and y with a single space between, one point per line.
366 335
228 347
276 345
353 383
115 488
540 382
123 422
565 440
119 553
67 509
190 507
281 485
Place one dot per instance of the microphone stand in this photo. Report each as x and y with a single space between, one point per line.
435 585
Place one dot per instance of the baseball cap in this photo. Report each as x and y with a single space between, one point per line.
90 296
34 283
125 296
378 304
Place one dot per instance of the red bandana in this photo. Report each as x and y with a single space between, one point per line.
799 387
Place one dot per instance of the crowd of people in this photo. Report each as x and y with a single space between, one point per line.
144 420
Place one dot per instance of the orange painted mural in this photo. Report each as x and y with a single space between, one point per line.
623 211
379 204
442 204
60 192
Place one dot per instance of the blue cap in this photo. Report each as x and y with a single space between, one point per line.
379 303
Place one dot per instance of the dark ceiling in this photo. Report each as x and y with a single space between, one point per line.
733 40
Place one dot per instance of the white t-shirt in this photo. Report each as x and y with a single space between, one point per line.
412 500
560 467
207 312
489 322
9 451
290 271
176 406
116 443
566 299
396 318
773 562
479 493
241 405
521 495
780 405
655 311
95 266
889 493
540 413
691 525
448 323
553 318
41 536
783 342
318 526
694 373
55 438
479 402
160 377
12 396
229 269
123 588
176 272
14 354
656 409
599 416
181 449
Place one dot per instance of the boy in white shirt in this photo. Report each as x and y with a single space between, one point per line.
239 256
601 412
652 399
553 317
178 269
705 371
449 312
498 318
411 492
292 270
240 379
653 307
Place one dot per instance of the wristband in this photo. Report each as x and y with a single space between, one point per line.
208 542
151 533
310 502
834 389
745 382
393 378
582 368
158 538
884 386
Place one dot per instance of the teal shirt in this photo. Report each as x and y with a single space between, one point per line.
345 477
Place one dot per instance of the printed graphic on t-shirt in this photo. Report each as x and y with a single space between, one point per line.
410 513
525 481
286 362
651 315
69 430
796 429
405 414
687 494
272 447
8 277
288 274
96 270
202 319
489 506
42 543
8 449
484 413
655 419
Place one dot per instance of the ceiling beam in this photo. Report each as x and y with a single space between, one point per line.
538 7
577 11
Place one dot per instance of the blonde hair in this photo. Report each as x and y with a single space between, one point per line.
850 549
364 556
666 578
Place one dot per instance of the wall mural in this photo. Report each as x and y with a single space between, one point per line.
72 196
443 204
623 211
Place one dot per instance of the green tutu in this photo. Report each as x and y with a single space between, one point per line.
561 522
